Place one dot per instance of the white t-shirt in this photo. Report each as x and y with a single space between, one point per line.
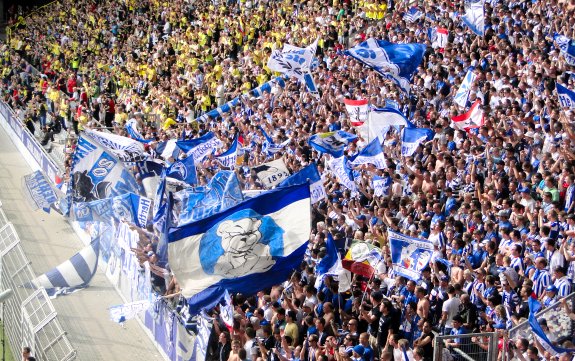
451 306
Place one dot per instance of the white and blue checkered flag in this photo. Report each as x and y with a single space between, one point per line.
249 247
397 62
72 275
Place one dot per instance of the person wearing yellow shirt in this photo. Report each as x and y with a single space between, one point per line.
121 116
168 123
291 328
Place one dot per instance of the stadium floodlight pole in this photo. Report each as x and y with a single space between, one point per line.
4 295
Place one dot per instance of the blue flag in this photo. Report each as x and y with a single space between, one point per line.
463 93
132 129
566 96
130 207
149 168
343 173
251 246
331 142
309 174
327 262
372 153
412 15
397 62
412 138
183 170
474 17
409 255
201 147
535 306
223 192
229 158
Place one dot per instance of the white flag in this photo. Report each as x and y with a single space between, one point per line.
271 173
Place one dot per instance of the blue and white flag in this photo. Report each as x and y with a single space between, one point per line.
221 110
126 207
72 275
310 174
343 173
269 146
97 174
123 148
382 186
267 87
412 15
462 94
372 153
566 96
251 246
127 311
150 168
201 147
184 170
168 149
567 48
474 16
381 119
228 159
397 62
544 341
412 138
222 192
39 191
271 173
330 259
202 339
409 255
132 129
332 142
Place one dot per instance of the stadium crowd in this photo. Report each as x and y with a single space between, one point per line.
497 202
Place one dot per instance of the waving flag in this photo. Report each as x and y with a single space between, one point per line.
269 146
227 311
381 186
412 138
412 15
474 17
251 246
357 111
381 119
331 142
222 192
343 173
362 258
202 339
330 259
308 174
398 62
201 147
372 153
184 170
149 173
464 89
472 119
128 207
271 173
132 129
538 332
567 48
123 148
267 87
409 255
72 275
566 96
97 174
439 37
229 157
168 149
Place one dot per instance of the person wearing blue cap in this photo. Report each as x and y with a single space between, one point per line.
550 295
357 354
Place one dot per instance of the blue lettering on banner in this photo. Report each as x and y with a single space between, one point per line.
143 211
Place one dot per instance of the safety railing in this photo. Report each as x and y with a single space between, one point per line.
466 347
28 316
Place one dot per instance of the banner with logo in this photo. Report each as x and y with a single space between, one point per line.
409 255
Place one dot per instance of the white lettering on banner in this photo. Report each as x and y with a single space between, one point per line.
317 191
411 273
378 187
143 211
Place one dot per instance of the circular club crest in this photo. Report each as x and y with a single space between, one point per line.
246 242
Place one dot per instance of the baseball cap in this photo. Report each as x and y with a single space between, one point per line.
551 288
358 349
361 217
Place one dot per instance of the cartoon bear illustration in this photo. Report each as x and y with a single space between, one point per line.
243 252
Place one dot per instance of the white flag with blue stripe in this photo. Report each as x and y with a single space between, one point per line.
251 246
462 94
566 96
398 62
567 48
474 17
72 275
332 142
132 129
412 138
200 148
372 153
123 148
